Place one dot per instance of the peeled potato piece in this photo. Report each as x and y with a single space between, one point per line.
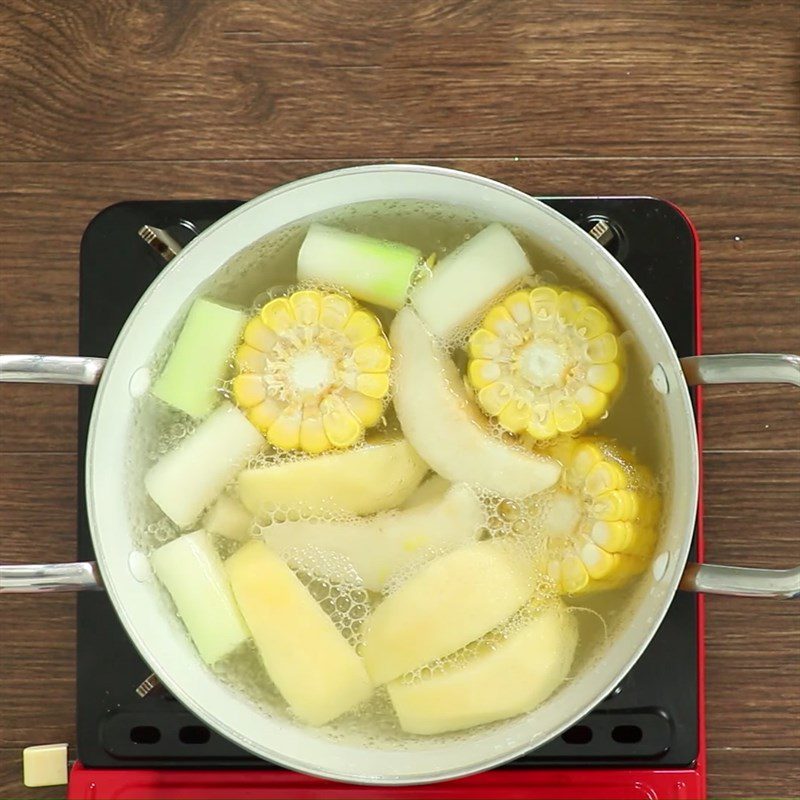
335 482
315 669
381 546
504 677
446 428
450 602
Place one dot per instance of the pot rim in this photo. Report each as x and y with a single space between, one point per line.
168 676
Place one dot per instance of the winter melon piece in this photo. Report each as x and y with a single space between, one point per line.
381 546
199 359
469 279
315 669
434 487
449 603
500 680
370 269
189 478
445 426
367 479
192 572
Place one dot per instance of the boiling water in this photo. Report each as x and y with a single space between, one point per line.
266 269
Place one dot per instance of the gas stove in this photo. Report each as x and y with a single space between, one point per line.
646 739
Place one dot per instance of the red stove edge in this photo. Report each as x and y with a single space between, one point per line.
519 784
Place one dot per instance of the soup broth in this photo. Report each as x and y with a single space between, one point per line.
628 434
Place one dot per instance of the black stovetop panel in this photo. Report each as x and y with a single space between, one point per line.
652 717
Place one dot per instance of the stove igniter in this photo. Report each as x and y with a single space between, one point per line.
160 241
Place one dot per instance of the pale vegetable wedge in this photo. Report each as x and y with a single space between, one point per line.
469 279
449 603
228 518
370 269
445 426
193 573
511 677
381 546
433 487
360 481
315 669
198 362
189 478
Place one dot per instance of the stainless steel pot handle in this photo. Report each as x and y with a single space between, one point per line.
70 370
74 370
742 368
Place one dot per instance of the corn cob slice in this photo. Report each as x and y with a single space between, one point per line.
313 371
545 362
601 518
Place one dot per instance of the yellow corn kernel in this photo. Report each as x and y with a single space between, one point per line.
495 397
335 311
542 424
484 344
619 504
368 410
605 476
544 303
603 349
341 426
590 322
259 336
361 327
373 384
482 372
285 430
568 415
499 322
574 575
265 413
248 359
599 564
515 416
278 315
613 537
604 377
592 403
584 457
248 389
313 438
570 304
518 305
306 306
373 356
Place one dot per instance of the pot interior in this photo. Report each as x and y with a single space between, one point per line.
228 257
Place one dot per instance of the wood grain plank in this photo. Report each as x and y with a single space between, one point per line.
775 772
11 779
751 287
437 78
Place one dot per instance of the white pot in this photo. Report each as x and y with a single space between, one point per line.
140 605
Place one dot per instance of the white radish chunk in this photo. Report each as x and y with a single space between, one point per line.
370 269
469 279
315 669
360 481
509 677
189 478
199 360
433 487
383 545
446 427
228 518
192 572
449 603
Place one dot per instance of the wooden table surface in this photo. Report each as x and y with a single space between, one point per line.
696 102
